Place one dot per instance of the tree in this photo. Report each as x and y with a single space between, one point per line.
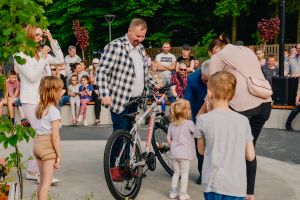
268 29
14 15
232 8
292 7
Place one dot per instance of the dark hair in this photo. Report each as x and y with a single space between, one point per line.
73 66
85 77
271 56
220 41
13 72
74 75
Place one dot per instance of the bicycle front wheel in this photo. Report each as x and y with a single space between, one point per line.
123 180
161 147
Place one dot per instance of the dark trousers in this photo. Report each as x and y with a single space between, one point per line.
292 115
200 159
97 106
118 124
257 117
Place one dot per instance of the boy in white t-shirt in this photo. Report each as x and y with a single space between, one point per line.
225 140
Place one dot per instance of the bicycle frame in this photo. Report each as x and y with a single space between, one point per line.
152 111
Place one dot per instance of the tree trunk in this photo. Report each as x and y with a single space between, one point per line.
83 58
234 30
298 25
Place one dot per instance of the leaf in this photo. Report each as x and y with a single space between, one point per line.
13 140
20 60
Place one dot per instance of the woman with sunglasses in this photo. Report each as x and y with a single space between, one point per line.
31 74
56 71
186 58
180 78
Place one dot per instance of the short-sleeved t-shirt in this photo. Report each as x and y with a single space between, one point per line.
270 73
165 59
89 88
226 134
44 125
186 61
74 88
294 64
182 137
12 87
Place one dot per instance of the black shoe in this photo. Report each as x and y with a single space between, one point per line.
288 127
199 180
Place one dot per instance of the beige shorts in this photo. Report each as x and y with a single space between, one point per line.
43 148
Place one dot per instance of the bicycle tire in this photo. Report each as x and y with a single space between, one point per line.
120 195
161 147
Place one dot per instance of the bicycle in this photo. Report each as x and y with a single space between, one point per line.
124 163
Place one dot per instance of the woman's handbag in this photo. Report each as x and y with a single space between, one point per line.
257 87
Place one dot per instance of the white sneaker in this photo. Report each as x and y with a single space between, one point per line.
32 176
79 118
54 180
173 195
184 196
85 122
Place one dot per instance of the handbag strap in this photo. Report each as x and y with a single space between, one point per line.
231 65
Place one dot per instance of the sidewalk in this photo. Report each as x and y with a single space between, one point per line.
81 173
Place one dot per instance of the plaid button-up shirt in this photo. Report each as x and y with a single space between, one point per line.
116 73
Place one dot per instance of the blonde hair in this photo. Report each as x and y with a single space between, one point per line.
222 85
50 89
30 31
136 22
180 110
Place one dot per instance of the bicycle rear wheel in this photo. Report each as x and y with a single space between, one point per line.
123 181
161 147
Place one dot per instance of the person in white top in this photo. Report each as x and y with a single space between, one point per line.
166 63
70 59
46 145
31 74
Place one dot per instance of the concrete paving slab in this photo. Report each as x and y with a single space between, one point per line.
81 173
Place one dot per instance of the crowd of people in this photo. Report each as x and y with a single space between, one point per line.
213 115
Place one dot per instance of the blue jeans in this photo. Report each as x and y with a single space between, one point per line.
120 123
64 100
216 196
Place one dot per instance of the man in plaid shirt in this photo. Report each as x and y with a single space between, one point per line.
122 73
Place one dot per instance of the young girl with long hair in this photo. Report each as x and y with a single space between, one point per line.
46 146
85 91
180 138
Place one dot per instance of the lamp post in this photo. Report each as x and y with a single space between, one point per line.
281 38
109 18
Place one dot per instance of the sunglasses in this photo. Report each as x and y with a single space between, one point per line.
182 69
53 69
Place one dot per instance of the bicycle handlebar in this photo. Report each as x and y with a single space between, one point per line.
139 98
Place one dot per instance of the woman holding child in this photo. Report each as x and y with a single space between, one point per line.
256 109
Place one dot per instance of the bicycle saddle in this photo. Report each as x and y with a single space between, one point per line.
131 116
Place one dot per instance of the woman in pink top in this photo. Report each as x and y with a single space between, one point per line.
256 109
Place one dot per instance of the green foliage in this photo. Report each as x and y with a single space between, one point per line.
201 49
257 38
15 14
292 6
231 7
158 38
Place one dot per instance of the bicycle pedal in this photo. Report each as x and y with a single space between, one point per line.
151 161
